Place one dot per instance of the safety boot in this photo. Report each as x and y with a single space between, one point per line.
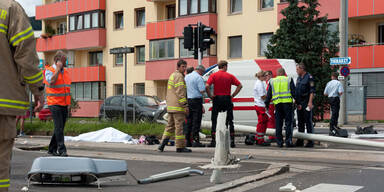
162 145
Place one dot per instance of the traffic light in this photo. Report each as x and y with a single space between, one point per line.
205 39
188 38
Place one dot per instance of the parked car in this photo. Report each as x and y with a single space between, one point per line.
147 108
45 114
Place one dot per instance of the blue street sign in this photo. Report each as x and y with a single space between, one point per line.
340 61
344 71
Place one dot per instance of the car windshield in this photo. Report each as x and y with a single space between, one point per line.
146 101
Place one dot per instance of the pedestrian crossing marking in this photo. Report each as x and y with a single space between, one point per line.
324 187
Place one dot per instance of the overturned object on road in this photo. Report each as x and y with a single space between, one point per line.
170 175
74 170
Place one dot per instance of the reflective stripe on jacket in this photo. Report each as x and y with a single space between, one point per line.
18 60
281 91
176 93
60 92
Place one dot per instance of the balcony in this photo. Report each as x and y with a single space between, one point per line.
369 56
56 42
360 8
161 30
161 69
61 9
87 74
86 39
175 28
330 7
52 10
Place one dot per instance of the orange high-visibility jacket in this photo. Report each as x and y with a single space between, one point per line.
60 92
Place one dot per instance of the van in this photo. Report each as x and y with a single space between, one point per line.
244 108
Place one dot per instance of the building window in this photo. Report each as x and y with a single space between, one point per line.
263 43
87 21
140 54
171 11
236 6
139 88
118 59
119 20
118 89
184 53
87 91
79 90
95 20
190 7
79 22
374 83
266 4
72 23
62 28
96 58
235 47
140 17
161 49
381 33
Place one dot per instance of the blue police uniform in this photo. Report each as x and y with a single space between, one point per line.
304 87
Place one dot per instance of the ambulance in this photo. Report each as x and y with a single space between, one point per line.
244 108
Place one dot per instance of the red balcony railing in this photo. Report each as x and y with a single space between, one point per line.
87 74
161 30
357 8
52 10
56 42
61 9
161 69
370 56
86 39
175 28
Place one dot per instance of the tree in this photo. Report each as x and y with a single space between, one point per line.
304 36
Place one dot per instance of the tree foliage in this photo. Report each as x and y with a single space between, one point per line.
304 36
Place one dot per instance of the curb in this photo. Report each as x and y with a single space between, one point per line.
272 170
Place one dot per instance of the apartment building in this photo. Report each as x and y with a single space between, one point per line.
88 29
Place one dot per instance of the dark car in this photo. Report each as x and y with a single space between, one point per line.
147 108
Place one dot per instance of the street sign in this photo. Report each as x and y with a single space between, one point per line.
122 50
344 71
340 61
340 77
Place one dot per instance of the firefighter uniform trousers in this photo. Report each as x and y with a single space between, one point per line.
8 133
175 127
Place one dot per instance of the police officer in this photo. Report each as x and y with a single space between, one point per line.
281 91
305 92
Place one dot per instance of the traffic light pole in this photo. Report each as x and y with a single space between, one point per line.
199 51
343 53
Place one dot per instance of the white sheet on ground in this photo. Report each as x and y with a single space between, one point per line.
108 134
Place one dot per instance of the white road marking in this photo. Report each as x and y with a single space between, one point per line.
323 187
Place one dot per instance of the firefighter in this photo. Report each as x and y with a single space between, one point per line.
177 108
18 69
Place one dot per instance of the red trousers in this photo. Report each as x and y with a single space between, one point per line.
262 121
271 120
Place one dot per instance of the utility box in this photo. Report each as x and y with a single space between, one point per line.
356 103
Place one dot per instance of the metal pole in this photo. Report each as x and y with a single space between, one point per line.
343 27
199 53
125 88
134 103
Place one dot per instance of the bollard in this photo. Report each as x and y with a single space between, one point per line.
222 148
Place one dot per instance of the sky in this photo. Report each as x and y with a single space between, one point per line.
30 6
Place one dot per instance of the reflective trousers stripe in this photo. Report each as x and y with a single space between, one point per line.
4 183
180 137
168 134
175 108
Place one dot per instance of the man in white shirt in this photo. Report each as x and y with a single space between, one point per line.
260 93
334 90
